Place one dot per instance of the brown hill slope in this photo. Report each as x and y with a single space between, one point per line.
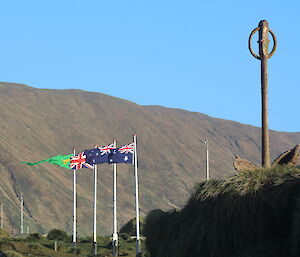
37 124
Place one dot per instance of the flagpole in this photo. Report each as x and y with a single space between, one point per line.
95 212
2 221
207 159
136 199
74 207
115 233
22 214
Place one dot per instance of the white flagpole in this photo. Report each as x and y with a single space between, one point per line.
136 199
22 214
207 159
74 207
95 211
2 217
115 233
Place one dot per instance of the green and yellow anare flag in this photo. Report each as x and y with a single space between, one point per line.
60 160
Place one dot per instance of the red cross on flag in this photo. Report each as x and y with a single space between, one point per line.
79 162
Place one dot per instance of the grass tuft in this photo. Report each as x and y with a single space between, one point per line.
246 214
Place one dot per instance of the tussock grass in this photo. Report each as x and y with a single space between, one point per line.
247 214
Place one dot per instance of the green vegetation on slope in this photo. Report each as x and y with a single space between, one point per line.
38 246
4 234
249 214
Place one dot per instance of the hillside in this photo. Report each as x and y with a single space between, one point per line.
38 123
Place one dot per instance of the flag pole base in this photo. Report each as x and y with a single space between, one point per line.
75 247
138 247
95 248
115 248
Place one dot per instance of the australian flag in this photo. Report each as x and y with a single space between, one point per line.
98 155
122 154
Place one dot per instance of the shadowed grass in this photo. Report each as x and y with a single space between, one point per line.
130 227
248 214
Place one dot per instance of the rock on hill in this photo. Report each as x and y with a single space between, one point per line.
39 123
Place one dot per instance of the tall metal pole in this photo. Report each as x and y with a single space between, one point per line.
74 208
115 233
22 214
2 217
138 244
207 159
95 212
263 43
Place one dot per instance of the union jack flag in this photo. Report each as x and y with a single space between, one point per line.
127 148
79 162
106 149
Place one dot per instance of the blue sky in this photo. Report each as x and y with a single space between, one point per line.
188 54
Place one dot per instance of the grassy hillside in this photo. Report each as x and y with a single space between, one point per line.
3 234
39 123
248 214
41 247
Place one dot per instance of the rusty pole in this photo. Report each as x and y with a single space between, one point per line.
263 43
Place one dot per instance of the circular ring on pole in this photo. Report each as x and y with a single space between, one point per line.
250 44
275 43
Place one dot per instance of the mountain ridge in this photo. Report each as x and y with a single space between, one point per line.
39 123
